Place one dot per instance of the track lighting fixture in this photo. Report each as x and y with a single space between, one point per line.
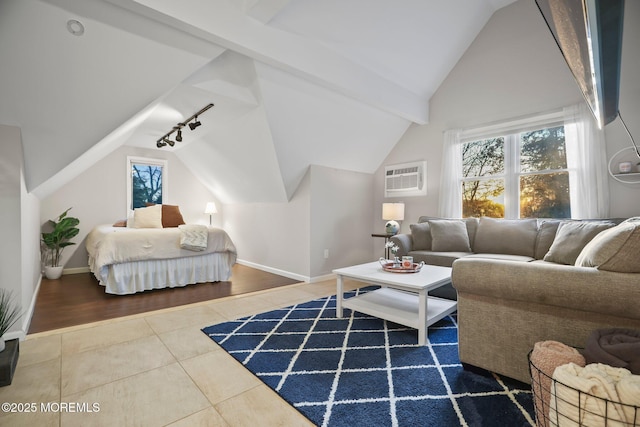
164 140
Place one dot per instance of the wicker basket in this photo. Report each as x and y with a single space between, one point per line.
570 410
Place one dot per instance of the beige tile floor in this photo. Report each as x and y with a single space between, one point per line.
151 369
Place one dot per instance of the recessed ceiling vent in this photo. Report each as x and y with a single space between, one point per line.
406 179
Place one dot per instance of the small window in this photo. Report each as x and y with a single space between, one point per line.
146 182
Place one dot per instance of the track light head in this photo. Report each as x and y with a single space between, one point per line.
195 124
179 135
168 141
160 143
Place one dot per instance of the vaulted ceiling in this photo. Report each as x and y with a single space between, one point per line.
294 82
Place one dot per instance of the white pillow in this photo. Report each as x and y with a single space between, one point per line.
149 217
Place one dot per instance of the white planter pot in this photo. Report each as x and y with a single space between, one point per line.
52 273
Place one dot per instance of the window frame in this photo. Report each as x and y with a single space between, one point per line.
512 173
131 160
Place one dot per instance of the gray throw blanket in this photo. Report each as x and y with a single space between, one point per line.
615 347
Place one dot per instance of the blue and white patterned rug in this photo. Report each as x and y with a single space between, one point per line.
363 371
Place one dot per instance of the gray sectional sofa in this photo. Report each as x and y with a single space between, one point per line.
527 280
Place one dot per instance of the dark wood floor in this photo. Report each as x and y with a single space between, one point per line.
76 299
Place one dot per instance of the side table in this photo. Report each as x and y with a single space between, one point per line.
386 236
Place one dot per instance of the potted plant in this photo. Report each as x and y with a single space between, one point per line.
64 229
9 314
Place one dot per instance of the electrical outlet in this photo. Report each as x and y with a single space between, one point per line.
326 253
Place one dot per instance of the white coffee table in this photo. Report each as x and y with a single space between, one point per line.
402 297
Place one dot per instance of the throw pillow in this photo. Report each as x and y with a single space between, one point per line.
571 238
149 217
421 236
615 249
449 236
506 236
121 223
171 216
546 233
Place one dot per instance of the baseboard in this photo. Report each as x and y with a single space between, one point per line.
26 317
76 270
288 274
277 271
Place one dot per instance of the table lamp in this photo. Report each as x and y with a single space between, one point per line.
210 209
392 213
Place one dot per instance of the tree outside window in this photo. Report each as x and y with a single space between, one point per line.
146 184
535 175
483 183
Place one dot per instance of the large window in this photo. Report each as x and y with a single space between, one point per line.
547 165
522 174
146 182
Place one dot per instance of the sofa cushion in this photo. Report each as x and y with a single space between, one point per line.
615 249
571 237
449 236
506 236
444 259
471 223
546 233
503 257
421 236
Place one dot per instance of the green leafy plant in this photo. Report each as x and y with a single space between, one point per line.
64 229
9 313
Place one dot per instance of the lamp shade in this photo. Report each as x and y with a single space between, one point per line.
211 208
393 211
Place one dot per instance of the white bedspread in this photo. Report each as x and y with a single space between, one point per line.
108 245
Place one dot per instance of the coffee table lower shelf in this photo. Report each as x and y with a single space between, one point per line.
400 307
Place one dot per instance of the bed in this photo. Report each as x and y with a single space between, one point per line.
129 260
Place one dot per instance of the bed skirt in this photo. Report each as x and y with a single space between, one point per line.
138 276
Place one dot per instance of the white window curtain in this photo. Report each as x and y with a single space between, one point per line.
450 200
587 163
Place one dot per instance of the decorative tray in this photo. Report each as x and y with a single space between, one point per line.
392 267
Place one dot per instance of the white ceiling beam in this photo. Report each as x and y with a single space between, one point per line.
223 23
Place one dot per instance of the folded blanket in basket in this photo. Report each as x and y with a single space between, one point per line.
629 392
587 396
545 358
616 347
193 237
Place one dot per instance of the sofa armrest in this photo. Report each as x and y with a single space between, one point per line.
404 243
564 286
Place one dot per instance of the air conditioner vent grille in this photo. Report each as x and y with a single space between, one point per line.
408 179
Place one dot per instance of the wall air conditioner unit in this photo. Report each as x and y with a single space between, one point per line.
406 179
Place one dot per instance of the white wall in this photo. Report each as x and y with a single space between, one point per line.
512 69
273 236
98 196
340 204
30 252
625 198
19 248
326 212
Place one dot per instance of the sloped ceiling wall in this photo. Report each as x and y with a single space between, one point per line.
294 83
